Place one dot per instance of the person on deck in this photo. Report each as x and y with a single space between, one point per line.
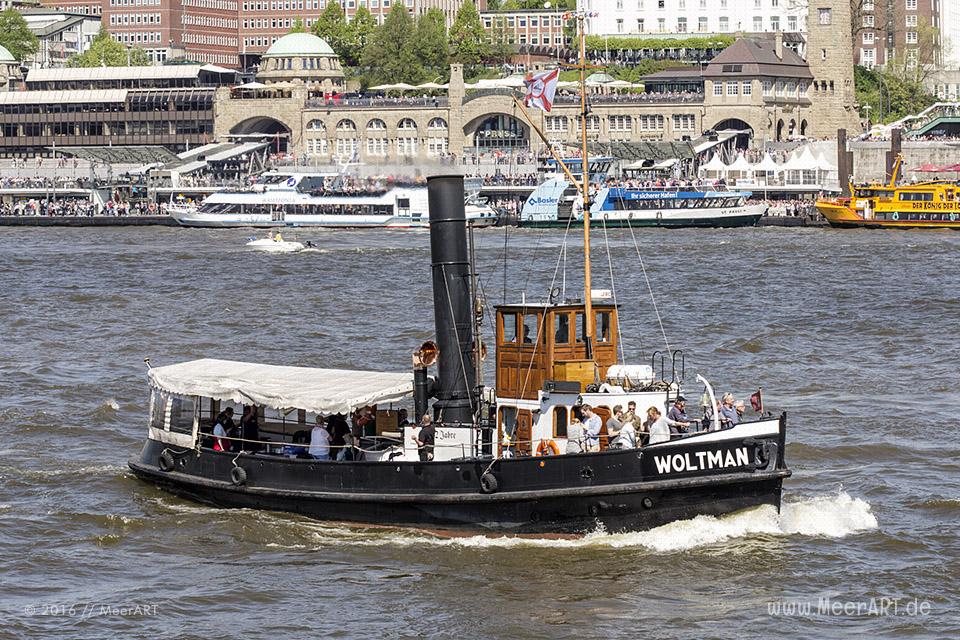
249 429
631 413
615 422
575 437
320 440
628 435
338 427
222 429
425 438
678 414
728 412
591 428
659 426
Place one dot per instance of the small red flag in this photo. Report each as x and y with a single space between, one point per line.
756 401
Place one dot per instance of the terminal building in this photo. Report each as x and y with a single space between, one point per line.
757 88
168 106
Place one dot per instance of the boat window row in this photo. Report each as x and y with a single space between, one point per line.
258 429
568 327
675 203
299 209
917 196
917 216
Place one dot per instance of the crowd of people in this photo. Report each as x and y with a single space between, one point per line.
512 180
77 207
791 208
644 97
42 182
628 430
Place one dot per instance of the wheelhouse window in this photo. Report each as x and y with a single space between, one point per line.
182 412
603 326
508 421
581 330
561 328
510 327
560 422
158 410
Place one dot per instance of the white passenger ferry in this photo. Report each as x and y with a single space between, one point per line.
299 199
555 202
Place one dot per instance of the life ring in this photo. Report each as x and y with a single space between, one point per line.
895 216
166 462
548 448
238 476
488 483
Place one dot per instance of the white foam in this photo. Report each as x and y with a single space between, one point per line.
835 516
113 404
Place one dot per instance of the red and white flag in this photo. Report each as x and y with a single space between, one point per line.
541 88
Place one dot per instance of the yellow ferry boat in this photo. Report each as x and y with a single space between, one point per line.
925 205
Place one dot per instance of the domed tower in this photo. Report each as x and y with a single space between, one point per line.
830 58
9 69
304 57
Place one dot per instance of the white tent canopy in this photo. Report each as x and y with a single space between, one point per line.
279 387
768 165
715 164
740 164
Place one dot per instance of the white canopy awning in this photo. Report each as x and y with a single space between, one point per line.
767 164
317 390
740 164
715 164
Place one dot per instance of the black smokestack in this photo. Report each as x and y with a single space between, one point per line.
452 307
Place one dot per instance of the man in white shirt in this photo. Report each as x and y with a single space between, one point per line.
591 428
660 425
320 441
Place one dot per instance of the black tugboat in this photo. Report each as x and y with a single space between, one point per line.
500 460
472 484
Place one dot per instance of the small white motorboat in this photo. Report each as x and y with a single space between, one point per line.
275 243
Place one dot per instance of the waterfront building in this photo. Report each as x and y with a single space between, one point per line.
169 106
756 87
525 28
9 69
695 17
59 34
229 33
888 29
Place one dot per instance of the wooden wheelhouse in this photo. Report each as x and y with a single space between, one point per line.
537 344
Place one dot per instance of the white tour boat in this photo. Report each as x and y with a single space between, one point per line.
301 199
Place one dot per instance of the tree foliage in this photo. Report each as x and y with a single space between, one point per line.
502 45
332 27
889 94
468 40
104 51
359 31
430 42
298 26
16 36
517 5
601 43
390 54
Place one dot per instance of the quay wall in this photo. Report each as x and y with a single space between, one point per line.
87 221
869 159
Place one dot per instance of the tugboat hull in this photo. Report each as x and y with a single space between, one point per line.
569 494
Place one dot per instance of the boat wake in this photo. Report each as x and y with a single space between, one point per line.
832 516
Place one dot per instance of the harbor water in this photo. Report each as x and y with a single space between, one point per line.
853 333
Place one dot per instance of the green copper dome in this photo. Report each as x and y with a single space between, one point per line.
295 45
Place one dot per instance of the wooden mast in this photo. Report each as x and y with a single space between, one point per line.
585 190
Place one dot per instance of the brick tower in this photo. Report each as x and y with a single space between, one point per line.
830 56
